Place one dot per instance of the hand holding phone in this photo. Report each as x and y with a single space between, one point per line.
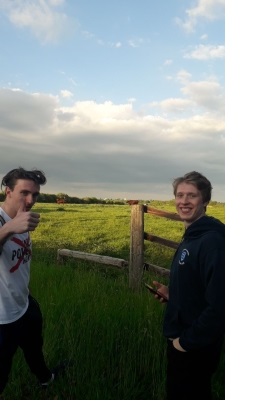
155 292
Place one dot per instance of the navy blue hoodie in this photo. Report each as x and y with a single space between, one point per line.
195 311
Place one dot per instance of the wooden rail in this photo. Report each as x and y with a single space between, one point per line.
158 212
156 269
161 241
105 260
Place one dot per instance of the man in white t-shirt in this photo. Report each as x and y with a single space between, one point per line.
20 315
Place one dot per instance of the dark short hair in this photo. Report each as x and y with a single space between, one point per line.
200 182
11 178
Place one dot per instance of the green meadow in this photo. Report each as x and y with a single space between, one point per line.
111 334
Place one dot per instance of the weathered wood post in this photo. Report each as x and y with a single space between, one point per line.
136 258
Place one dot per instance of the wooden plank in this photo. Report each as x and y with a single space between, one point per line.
161 241
156 269
164 214
106 260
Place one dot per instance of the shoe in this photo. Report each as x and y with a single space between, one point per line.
56 371
46 384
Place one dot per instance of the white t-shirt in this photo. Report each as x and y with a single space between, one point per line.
15 259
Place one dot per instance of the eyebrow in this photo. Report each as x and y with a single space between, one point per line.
188 193
25 191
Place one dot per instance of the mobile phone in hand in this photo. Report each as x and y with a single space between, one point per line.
155 291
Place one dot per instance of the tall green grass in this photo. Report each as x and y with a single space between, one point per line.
112 335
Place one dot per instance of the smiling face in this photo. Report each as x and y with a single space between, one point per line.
189 203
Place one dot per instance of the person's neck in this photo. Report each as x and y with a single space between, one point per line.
6 209
188 224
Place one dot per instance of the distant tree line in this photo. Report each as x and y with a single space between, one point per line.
54 198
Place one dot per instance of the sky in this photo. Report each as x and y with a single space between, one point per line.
113 98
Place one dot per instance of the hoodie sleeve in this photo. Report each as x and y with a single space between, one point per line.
209 326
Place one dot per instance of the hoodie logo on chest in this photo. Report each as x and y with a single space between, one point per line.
183 256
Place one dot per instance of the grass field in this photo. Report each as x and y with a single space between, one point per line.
112 335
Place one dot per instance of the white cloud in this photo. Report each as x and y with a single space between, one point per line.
175 105
40 17
136 42
110 150
115 45
88 35
183 76
206 94
168 62
56 2
206 52
204 37
66 94
209 9
205 9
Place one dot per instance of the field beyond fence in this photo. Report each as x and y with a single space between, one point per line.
112 335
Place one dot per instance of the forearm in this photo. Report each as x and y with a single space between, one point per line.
5 232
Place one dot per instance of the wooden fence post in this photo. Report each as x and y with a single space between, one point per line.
136 259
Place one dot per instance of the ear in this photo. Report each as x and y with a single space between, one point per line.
7 191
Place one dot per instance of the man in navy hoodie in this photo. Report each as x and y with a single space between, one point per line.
194 322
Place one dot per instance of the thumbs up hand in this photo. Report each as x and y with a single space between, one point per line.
24 221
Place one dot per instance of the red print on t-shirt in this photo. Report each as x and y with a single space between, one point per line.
25 252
